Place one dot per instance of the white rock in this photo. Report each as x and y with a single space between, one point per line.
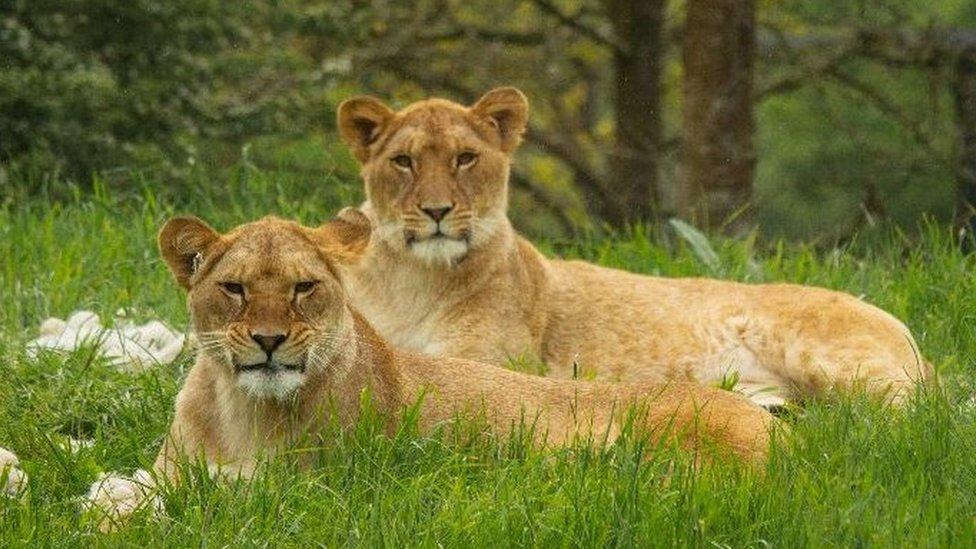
13 481
115 497
85 324
153 333
127 346
8 458
81 318
52 326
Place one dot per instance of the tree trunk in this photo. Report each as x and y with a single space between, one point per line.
717 155
638 27
964 88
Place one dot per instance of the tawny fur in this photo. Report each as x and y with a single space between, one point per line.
221 419
491 296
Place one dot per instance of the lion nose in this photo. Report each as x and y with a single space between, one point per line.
437 213
269 343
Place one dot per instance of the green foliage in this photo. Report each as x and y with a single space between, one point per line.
861 139
91 84
853 473
178 88
116 85
825 151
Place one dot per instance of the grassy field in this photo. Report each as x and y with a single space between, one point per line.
854 474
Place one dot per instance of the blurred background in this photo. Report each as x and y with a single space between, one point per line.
809 120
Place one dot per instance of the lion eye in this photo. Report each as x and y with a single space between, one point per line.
305 287
233 288
403 161
466 159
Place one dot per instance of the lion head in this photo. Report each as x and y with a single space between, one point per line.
265 299
436 172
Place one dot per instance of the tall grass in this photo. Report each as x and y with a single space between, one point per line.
853 473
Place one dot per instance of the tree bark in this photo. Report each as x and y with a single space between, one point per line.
638 26
964 88
718 160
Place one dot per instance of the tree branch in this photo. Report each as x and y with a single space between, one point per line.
569 153
886 106
522 182
546 6
812 68
487 35
928 47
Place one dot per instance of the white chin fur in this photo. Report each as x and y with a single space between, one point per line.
439 250
279 385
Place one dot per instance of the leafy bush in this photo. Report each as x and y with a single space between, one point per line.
94 84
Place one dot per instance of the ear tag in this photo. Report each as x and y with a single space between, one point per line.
195 265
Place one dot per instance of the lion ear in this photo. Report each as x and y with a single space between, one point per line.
508 110
345 237
360 121
184 243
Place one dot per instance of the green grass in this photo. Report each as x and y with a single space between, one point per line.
853 474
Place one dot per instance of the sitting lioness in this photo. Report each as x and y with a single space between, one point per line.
445 274
282 349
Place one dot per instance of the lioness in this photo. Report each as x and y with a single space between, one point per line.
282 348
445 274
283 353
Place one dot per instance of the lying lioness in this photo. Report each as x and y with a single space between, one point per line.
281 350
445 274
